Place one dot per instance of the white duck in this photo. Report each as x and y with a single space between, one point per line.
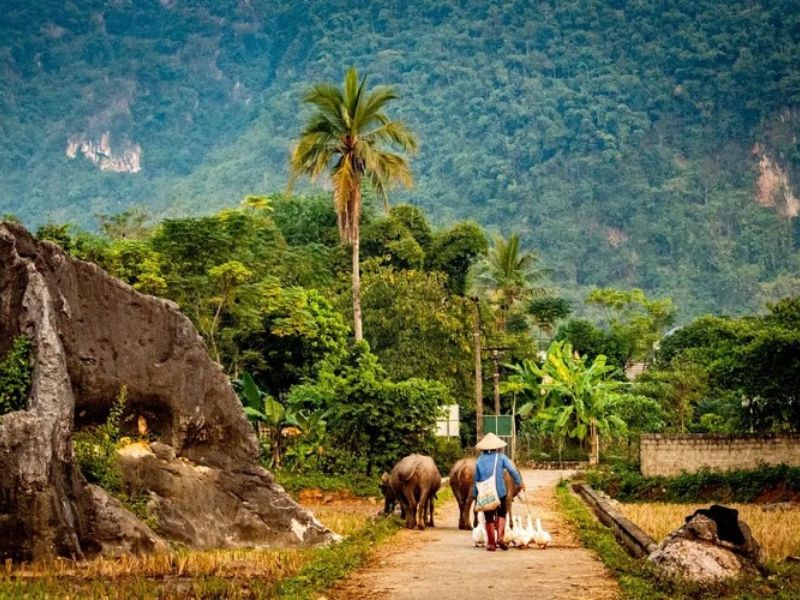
517 536
530 532
541 537
508 538
524 535
479 535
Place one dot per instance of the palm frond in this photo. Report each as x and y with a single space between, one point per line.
328 101
371 108
394 132
347 135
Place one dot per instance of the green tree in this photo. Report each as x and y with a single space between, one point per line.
415 325
546 312
764 373
507 276
678 390
227 278
636 320
293 331
368 415
577 399
346 137
454 251
587 339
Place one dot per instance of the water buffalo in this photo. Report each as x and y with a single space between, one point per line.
413 484
462 477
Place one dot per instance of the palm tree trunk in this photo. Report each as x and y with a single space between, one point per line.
476 336
357 328
594 457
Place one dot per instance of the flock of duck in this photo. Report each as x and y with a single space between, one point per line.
518 535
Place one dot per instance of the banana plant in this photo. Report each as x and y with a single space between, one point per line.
570 397
271 419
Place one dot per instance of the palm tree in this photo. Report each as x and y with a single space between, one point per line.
508 275
350 137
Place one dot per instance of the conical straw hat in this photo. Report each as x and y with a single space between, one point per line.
490 442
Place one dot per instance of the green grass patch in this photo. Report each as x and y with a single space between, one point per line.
624 482
358 484
444 495
634 576
333 563
638 580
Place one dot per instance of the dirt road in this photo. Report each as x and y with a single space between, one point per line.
442 563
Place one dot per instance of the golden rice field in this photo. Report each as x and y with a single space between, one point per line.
776 528
195 568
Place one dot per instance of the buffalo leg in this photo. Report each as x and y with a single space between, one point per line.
430 510
465 515
421 509
411 509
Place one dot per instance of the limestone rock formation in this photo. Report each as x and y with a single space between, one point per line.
701 550
92 335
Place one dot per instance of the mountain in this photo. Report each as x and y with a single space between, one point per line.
646 143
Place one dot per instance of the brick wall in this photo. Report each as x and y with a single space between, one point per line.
671 454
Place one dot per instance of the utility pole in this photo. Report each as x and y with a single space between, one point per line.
476 336
496 361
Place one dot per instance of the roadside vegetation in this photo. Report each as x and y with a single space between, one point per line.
245 574
638 581
773 526
624 482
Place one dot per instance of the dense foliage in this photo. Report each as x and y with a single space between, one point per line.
624 482
370 418
725 375
269 286
716 374
570 397
623 139
273 302
15 376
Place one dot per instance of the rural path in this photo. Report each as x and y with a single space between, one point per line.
442 562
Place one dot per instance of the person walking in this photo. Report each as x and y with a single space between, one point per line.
491 463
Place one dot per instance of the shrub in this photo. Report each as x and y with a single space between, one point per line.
624 482
357 483
96 455
15 376
367 414
96 449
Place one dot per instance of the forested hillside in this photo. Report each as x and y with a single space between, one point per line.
646 144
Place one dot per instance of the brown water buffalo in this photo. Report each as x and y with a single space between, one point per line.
462 478
413 484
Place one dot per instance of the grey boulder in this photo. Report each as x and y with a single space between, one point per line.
93 334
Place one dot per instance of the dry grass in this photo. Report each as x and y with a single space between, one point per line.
271 565
776 528
268 565
345 518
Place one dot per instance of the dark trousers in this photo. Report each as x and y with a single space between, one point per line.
497 513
